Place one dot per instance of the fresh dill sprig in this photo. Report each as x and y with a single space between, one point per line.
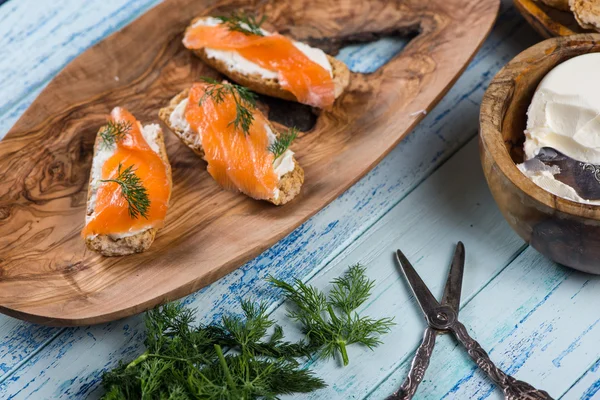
244 23
245 101
133 191
330 331
183 361
283 142
114 132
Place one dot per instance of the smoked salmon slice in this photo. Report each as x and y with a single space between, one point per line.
134 187
237 160
307 80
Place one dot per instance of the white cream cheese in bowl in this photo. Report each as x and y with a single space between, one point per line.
564 115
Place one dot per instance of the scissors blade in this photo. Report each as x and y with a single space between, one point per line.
426 301
453 287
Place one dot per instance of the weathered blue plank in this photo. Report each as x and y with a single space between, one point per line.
17 336
587 386
53 34
367 58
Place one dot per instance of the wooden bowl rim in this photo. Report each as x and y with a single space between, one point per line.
491 135
532 8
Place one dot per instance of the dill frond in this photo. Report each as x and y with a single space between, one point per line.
183 361
283 142
114 132
328 331
245 101
133 191
244 23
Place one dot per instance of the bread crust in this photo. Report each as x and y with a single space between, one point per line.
289 184
587 13
164 114
138 243
271 87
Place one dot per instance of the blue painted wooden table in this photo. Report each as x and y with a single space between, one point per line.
538 320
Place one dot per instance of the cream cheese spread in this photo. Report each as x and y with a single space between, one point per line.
177 118
285 162
564 115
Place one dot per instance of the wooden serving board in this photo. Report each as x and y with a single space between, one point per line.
46 273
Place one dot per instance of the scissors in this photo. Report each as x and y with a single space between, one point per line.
443 318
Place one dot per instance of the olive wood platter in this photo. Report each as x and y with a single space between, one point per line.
547 21
46 273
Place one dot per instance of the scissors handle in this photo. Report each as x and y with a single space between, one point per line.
418 367
512 388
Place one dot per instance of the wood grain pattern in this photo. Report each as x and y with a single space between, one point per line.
47 276
566 231
547 21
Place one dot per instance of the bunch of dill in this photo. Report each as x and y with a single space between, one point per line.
187 362
234 359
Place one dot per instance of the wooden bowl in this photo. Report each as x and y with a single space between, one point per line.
565 231
547 21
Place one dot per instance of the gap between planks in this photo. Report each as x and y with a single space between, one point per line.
589 389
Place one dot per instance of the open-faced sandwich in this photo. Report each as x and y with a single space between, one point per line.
129 188
265 62
219 121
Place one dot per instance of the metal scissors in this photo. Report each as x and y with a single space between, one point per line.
443 318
